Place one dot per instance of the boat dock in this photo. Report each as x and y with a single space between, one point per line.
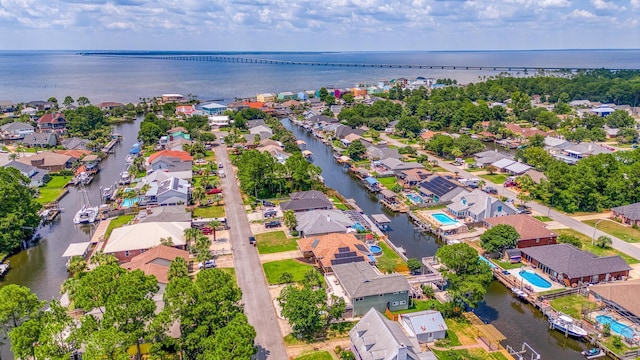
109 147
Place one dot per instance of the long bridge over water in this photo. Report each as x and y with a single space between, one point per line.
252 60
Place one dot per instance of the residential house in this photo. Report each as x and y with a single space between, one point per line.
131 240
603 110
266 97
49 161
214 109
290 103
7 106
110 105
342 131
572 266
172 191
177 213
170 164
40 140
255 122
380 152
52 122
512 167
177 144
32 112
427 135
41 105
317 119
627 214
477 206
269 142
535 175
219 120
580 103
522 132
37 177
532 231
76 154
264 131
395 165
488 157
286 95
412 177
280 155
571 153
177 154
335 109
347 140
366 288
250 141
302 96
237 106
16 130
621 297
320 222
156 261
375 337
439 189
166 98
331 249
75 143
307 201
426 326
185 110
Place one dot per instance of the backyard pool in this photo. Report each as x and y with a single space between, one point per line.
359 227
414 198
127 203
616 327
444 219
535 279
375 249
492 265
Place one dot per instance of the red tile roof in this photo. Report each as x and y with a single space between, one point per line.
150 262
254 104
525 132
527 226
326 246
51 118
182 155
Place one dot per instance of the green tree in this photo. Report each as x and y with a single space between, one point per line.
198 194
570 239
619 119
356 150
149 132
68 101
213 224
19 210
286 278
290 220
17 304
603 242
468 277
303 308
82 101
414 264
499 238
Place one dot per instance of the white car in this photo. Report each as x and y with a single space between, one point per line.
209 264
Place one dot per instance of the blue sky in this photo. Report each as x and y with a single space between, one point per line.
320 25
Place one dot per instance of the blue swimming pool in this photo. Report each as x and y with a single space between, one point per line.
414 198
359 227
444 219
535 279
127 203
616 327
375 249
492 265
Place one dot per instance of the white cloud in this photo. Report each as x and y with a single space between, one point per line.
635 4
603 5
581 14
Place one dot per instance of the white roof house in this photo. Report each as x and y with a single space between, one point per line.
145 236
426 325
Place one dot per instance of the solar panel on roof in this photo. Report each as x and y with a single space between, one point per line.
345 255
343 249
347 260
315 243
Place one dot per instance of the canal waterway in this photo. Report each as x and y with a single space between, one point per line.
518 321
42 267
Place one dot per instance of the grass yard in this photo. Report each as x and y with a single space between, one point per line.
318 355
542 218
389 256
471 354
507 265
337 203
274 270
626 233
53 189
420 305
115 223
388 182
213 211
495 178
570 305
586 245
274 242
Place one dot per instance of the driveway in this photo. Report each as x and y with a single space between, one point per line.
566 220
255 293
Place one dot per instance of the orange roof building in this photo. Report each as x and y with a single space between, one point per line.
77 154
156 261
254 104
182 155
333 248
533 232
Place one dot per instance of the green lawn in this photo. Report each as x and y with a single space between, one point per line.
274 242
53 189
388 182
389 256
542 218
318 355
472 354
337 203
586 245
213 211
570 305
495 178
622 232
507 265
420 305
116 223
274 269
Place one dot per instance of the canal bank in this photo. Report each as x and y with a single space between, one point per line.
518 321
42 267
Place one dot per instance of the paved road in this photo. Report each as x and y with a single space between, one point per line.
567 221
255 294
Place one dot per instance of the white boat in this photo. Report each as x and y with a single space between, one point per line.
125 178
4 267
566 325
86 215
107 193
519 292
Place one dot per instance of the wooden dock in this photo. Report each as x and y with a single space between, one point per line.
107 148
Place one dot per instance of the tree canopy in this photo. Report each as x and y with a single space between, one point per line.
499 238
18 210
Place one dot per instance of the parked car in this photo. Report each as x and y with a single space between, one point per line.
209 264
509 183
521 209
206 230
214 191
252 240
490 190
272 224
220 165
270 213
268 203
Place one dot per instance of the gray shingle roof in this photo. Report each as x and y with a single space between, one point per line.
397 164
631 211
359 279
575 263
307 200
323 222
16 126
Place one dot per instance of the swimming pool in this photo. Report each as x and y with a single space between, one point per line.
616 327
535 279
414 198
492 265
444 219
375 249
359 227
127 203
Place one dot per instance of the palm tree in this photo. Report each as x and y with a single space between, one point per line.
213 224
217 198
604 242
481 184
197 194
190 235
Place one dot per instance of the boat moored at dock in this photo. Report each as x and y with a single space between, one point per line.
567 325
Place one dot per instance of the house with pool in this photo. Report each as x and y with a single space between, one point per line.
475 206
621 305
333 249
571 266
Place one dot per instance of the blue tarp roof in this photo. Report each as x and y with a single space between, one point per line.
371 181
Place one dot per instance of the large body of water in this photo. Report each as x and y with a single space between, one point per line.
27 76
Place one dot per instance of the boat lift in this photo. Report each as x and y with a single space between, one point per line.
520 355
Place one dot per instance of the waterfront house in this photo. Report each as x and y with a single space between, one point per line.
347 140
280 155
627 214
255 122
621 297
7 106
170 164
266 97
286 95
426 326
237 106
185 110
131 240
571 153
219 120
488 157
16 130
572 266
37 177
522 132
156 261
302 96
49 161
74 143
395 165
177 213
52 122
375 337
320 222
342 131
31 112
439 189
380 152
307 201
178 154
412 177
177 144
532 231
41 105
366 288
166 98
214 109
110 105
477 206
264 131
331 249
40 139
172 191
